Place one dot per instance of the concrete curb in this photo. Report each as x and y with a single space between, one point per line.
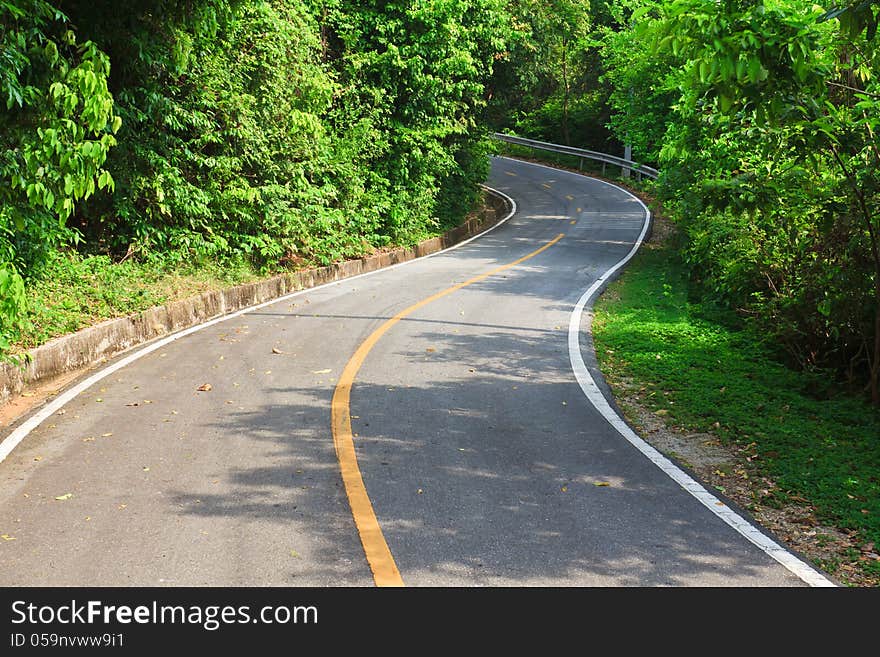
99 343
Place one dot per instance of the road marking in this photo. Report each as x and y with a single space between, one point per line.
23 430
591 390
379 557
510 173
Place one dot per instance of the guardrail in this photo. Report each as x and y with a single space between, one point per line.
625 165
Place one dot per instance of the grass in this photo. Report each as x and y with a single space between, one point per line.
700 373
75 291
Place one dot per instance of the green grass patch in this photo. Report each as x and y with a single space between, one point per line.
704 374
74 291
71 290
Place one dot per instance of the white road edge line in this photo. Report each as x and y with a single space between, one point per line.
21 432
597 399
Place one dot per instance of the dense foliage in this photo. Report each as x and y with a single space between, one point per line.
548 87
764 117
275 131
55 133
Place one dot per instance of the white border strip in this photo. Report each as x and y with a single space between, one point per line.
22 431
597 399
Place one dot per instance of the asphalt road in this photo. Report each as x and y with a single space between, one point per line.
483 461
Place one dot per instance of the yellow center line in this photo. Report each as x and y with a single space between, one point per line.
385 572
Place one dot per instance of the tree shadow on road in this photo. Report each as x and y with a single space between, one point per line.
503 475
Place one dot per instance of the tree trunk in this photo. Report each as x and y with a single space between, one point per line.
565 91
875 365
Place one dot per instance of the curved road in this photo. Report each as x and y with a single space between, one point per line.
483 462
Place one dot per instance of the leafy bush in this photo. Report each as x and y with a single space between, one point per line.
55 133
279 131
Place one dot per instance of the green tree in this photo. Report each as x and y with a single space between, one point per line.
800 99
56 131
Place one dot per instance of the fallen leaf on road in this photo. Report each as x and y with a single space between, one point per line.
565 489
146 468
420 491
294 554
90 439
99 399
7 537
322 371
268 372
430 349
107 435
276 350
122 506
66 496
38 458
28 394
601 483
205 387
132 404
